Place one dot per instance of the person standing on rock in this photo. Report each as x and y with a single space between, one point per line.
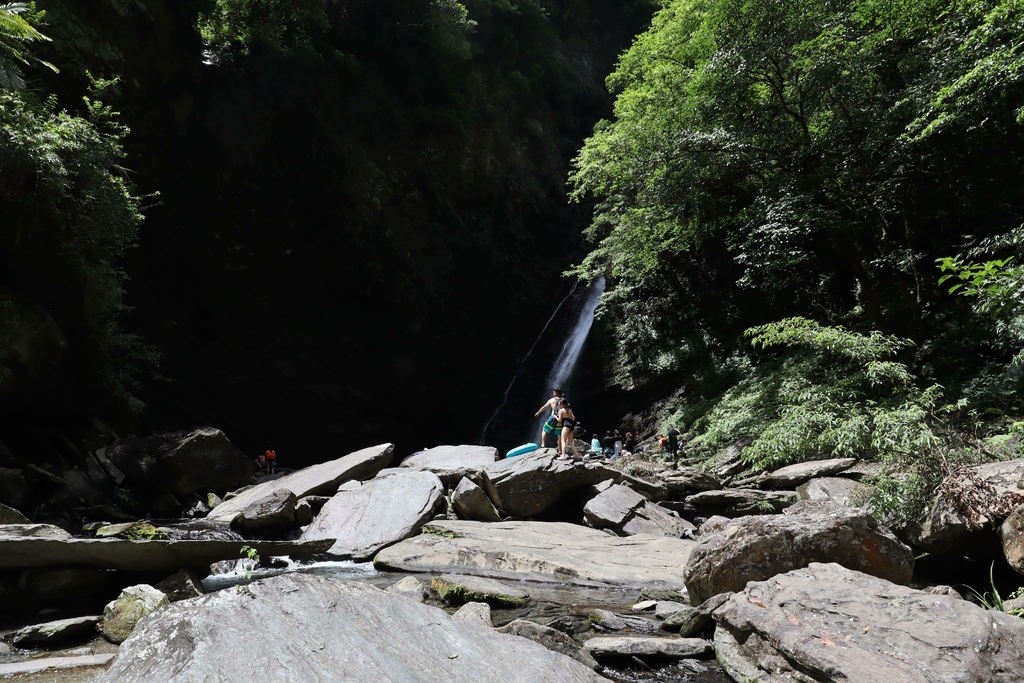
551 425
568 420
271 459
673 443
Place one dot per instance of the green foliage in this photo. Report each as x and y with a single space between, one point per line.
70 216
992 600
811 158
250 559
842 397
16 34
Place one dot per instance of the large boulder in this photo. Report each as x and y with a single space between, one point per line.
120 616
55 633
1011 533
829 623
550 638
387 509
470 502
274 512
302 627
540 551
626 512
452 463
968 507
729 553
529 484
839 490
9 515
316 480
182 463
792 476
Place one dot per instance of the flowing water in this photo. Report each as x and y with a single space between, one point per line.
548 601
552 360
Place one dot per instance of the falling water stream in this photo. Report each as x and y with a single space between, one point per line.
572 318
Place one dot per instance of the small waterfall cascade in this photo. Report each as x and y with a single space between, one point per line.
565 364
485 433
564 367
551 361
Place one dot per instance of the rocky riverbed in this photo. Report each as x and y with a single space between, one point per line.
461 566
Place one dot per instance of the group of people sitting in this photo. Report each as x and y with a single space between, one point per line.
563 424
613 445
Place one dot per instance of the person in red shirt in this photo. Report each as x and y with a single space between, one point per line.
271 459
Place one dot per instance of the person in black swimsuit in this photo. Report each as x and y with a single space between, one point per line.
568 420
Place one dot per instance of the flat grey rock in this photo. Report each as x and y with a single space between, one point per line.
541 551
792 476
34 666
839 490
389 508
302 627
53 632
320 479
115 553
605 647
452 463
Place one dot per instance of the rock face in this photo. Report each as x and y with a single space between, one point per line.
828 623
470 502
9 515
730 553
55 632
955 522
387 509
732 502
121 615
456 590
527 485
627 513
541 551
839 490
452 463
793 475
1011 533
115 553
604 647
314 628
275 511
322 479
182 463
549 638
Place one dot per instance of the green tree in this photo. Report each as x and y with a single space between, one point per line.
807 158
16 34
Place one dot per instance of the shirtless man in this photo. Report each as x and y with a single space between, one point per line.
551 425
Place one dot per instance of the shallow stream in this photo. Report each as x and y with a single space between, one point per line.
548 602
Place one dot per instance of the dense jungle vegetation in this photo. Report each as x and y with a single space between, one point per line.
811 211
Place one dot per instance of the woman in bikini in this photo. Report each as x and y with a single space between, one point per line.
568 420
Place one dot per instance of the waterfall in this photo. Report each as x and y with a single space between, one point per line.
522 364
564 367
563 338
